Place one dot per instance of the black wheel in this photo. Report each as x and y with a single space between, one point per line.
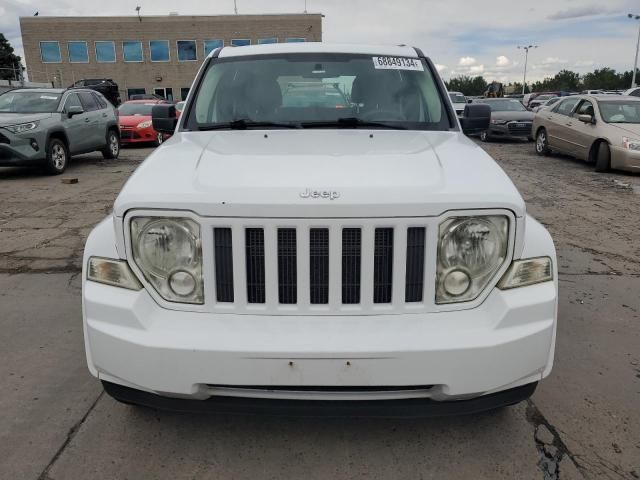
603 157
542 145
112 150
57 157
485 136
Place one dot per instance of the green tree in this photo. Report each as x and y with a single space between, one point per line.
602 78
10 66
467 85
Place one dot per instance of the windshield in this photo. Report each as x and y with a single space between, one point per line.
544 97
319 90
504 105
457 98
620 112
127 109
29 102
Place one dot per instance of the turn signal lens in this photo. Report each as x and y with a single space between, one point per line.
112 272
526 272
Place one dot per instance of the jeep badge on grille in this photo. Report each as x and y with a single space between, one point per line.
330 194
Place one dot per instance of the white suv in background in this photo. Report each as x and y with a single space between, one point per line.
369 259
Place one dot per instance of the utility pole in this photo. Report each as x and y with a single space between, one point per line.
235 6
526 59
305 6
635 62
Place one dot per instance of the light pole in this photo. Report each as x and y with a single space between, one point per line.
635 63
526 59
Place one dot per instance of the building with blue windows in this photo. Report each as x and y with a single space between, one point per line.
148 54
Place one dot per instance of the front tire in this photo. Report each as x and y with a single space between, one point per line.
485 136
603 157
159 139
57 157
542 145
112 150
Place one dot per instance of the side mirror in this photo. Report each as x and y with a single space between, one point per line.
74 110
470 100
586 119
476 118
164 118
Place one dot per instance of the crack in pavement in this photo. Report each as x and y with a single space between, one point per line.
44 475
551 451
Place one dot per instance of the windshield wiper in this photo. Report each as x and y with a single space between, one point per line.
353 122
243 124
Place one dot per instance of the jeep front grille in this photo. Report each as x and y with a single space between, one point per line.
319 266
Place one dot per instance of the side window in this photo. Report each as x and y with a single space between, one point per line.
72 101
636 92
585 108
88 101
566 106
101 102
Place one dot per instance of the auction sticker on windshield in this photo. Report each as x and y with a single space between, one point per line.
397 63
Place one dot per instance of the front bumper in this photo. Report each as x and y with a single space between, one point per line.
137 135
505 131
506 342
625 159
17 150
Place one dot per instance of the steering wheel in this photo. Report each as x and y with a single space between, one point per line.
382 115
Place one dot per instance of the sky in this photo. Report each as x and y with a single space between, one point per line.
471 37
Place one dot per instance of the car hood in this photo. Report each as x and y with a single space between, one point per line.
632 128
517 116
16 118
132 120
379 173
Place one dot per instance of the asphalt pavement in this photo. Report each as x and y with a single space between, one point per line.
582 422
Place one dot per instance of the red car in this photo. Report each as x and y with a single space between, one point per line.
135 122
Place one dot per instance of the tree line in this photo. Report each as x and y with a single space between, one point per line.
565 80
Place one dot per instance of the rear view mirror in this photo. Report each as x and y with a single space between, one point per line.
586 118
74 110
476 118
164 118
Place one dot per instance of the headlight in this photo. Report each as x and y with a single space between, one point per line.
470 252
631 144
22 127
146 124
168 252
499 122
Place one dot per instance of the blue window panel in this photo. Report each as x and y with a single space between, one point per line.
159 50
187 50
78 52
295 40
264 41
105 52
132 51
211 45
240 42
50 52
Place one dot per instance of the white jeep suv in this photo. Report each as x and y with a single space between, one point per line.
294 255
